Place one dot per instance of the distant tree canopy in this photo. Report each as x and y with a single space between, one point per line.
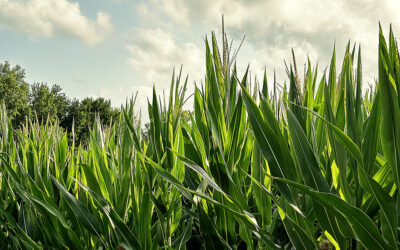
14 92
49 103
83 115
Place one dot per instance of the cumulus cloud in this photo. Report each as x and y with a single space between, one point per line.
272 27
49 18
175 10
154 53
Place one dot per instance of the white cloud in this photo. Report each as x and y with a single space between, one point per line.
173 9
273 27
49 18
171 32
154 53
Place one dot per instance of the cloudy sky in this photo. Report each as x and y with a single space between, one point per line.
113 48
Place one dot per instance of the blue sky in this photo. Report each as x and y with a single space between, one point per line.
113 48
82 69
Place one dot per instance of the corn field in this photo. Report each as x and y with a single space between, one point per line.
311 165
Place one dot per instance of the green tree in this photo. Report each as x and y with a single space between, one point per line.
82 115
14 92
48 102
61 102
42 102
45 102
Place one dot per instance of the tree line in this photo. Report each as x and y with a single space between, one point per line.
46 103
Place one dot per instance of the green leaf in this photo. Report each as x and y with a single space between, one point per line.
390 119
121 228
211 238
270 146
79 210
364 229
311 174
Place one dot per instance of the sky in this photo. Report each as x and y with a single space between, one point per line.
113 48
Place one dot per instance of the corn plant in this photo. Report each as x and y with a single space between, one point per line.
313 164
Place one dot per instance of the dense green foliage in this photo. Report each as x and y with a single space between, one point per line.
14 92
50 104
314 164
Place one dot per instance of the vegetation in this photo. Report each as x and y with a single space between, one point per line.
314 164
50 104
14 91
